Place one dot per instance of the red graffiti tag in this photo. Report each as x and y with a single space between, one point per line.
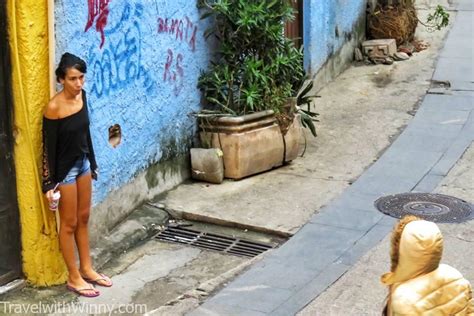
98 12
169 61
182 29
175 76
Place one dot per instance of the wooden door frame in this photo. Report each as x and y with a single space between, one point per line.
294 29
6 144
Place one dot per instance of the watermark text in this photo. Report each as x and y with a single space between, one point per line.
72 308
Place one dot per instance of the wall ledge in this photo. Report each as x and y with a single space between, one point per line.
156 179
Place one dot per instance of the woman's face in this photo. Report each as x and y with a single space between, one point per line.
73 81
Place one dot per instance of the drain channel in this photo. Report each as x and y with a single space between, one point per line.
238 247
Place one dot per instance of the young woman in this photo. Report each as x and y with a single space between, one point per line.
69 164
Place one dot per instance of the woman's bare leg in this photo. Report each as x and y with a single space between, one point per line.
68 227
84 192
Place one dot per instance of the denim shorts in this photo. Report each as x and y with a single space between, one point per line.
81 166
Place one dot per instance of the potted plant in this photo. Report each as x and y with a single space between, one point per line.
248 85
398 19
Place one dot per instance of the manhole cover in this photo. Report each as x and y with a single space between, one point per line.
433 207
211 241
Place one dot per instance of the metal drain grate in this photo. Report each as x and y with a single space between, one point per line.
211 241
432 207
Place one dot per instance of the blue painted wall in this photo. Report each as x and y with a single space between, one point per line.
144 58
328 24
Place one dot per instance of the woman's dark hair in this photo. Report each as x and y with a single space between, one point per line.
67 61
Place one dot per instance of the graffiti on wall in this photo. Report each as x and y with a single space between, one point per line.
180 29
174 72
98 11
119 64
184 31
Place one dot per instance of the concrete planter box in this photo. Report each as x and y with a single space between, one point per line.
251 143
293 133
292 139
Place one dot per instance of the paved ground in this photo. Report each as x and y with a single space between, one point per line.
342 232
362 112
359 291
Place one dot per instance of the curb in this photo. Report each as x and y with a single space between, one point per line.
143 223
185 215
193 298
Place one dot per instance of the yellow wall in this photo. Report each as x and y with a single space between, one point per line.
28 37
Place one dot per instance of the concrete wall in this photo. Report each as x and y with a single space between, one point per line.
144 59
332 29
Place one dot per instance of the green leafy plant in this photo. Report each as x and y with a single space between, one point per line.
438 19
308 117
256 67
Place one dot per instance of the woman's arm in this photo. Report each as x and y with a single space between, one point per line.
50 137
91 156
94 169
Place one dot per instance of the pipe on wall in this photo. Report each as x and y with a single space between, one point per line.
52 58
52 48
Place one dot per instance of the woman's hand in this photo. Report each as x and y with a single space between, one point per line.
49 195
95 174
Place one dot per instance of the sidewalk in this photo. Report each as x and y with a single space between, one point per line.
362 112
359 291
335 239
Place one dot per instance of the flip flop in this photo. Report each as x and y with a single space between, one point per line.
102 277
82 292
